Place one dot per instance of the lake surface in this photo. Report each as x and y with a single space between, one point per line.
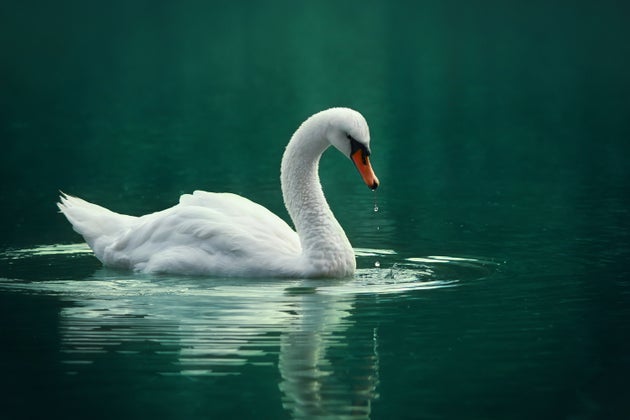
493 262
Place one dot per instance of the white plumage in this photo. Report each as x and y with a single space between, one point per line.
224 234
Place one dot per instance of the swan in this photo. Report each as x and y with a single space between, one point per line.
224 234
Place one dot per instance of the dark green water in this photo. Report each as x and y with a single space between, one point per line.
500 133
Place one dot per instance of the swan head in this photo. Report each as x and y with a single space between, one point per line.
348 132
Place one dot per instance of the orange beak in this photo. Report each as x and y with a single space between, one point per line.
362 162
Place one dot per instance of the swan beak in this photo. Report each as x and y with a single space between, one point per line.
362 162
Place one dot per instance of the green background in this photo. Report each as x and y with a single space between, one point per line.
500 131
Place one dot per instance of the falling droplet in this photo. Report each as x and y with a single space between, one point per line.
378 228
377 264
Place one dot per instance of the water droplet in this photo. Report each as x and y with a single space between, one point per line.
377 264
375 202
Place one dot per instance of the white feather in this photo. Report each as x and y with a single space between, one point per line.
228 235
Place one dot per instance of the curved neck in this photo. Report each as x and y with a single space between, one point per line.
320 234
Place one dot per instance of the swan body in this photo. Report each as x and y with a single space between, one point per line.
224 234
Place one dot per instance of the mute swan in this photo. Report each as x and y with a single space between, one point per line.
224 234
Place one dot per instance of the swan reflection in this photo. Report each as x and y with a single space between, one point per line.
214 328
313 382
304 334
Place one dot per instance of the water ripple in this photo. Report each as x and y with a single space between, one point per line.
379 271
211 327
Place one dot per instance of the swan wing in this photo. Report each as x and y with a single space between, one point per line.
240 211
206 233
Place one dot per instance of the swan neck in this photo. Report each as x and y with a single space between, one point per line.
301 188
320 234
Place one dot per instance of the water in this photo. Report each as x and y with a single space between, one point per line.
493 277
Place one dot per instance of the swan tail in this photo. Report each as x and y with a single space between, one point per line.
92 221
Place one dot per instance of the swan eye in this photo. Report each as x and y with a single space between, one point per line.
355 146
349 137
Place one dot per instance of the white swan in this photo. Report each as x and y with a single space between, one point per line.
224 234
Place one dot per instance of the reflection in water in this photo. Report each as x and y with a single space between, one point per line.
312 384
211 328
200 327
55 249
